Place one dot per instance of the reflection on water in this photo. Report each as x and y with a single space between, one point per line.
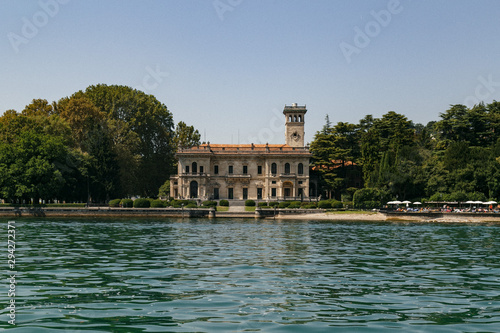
246 275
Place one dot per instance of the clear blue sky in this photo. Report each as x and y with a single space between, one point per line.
229 66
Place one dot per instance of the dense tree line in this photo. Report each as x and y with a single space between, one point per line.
454 159
101 143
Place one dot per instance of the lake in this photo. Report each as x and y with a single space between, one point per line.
240 275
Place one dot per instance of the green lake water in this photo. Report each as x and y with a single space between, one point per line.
245 275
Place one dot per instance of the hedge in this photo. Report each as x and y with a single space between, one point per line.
209 203
224 203
324 204
157 204
142 203
115 203
284 204
127 203
262 204
274 204
250 203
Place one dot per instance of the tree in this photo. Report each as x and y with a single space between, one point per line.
186 136
144 122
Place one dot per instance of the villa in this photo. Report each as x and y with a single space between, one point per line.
248 171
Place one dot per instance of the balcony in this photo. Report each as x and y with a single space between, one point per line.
194 174
288 175
238 175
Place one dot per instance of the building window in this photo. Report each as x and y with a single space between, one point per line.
245 169
216 169
274 168
300 182
259 193
245 193
300 169
259 169
274 182
187 168
195 167
230 193
287 168
216 193
273 192
201 169
230 170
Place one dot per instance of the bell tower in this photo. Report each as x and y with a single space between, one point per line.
294 125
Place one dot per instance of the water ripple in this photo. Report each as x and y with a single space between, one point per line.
247 275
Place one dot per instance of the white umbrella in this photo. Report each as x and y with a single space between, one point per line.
490 203
417 203
478 202
470 202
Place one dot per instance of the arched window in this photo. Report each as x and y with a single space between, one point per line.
300 118
287 168
295 119
194 166
300 169
289 119
274 168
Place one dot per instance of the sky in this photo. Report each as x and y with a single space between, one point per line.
228 67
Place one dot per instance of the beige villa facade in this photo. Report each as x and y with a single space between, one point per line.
247 171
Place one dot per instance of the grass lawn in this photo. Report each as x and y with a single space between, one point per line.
222 208
249 209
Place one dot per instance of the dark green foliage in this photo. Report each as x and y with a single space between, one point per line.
142 203
127 203
191 205
284 204
309 205
209 203
263 204
336 204
224 203
367 198
325 204
158 204
274 204
250 203
115 203
294 204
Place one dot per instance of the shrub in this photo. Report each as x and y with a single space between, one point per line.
262 204
324 204
274 204
336 204
157 204
224 203
294 205
191 205
311 205
284 204
115 203
142 203
209 203
127 203
249 203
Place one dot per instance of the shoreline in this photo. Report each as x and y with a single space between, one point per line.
282 214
